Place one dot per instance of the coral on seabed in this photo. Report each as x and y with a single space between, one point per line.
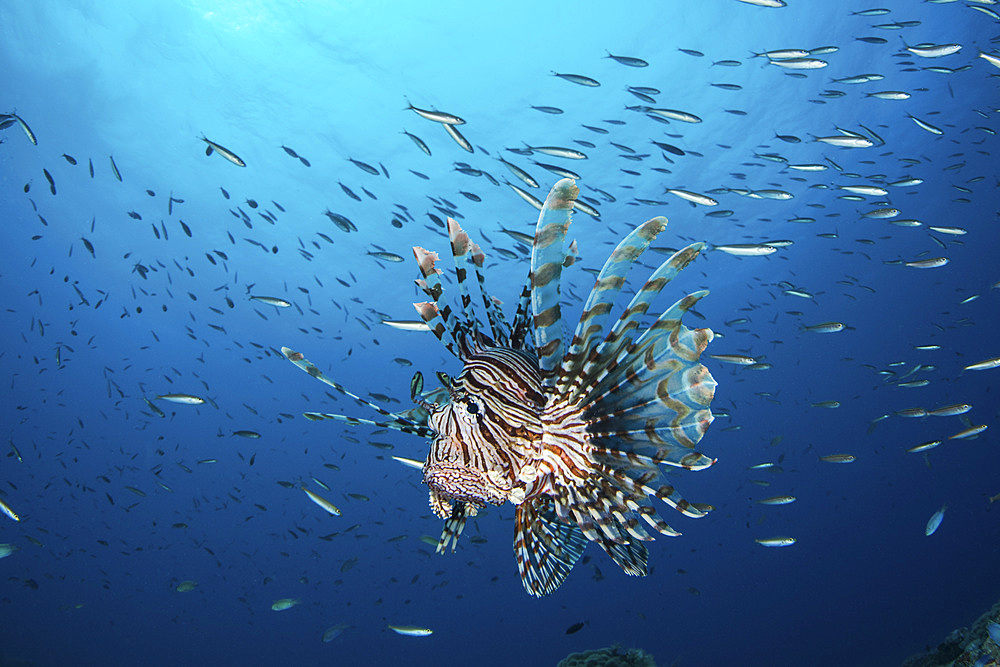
963 647
613 656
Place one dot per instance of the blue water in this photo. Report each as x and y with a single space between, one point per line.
86 338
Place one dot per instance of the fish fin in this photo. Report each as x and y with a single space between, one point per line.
453 527
521 326
461 248
437 317
397 422
546 548
631 557
620 335
547 259
602 297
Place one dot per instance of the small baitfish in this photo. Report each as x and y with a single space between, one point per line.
411 630
213 147
780 541
322 502
5 508
181 399
935 521
284 603
571 431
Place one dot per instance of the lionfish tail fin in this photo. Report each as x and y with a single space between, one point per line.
546 548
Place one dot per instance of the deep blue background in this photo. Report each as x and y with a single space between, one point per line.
142 81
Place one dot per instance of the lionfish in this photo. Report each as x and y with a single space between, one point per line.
573 436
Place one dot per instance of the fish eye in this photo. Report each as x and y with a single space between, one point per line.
472 407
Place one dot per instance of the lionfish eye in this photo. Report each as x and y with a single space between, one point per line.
472 407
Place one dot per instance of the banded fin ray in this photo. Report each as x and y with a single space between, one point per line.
618 337
398 422
547 259
546 548
602 297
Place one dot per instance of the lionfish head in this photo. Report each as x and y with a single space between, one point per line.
494 402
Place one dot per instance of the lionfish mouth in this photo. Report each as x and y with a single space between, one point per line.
462 484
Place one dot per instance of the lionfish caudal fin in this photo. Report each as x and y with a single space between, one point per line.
618 405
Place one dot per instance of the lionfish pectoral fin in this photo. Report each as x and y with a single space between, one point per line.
631 557
546 548
453 527
394 421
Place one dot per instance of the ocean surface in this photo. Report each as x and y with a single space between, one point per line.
154 532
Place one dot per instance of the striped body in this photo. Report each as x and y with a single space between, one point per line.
573 433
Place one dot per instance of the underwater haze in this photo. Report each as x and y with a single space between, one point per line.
188 187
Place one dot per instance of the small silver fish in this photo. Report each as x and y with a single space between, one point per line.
407 325
437 116
410 463
825 327
693 197
847 141
780 541
411 630
777 500
931 263
838 458
950 410
746 249
738 359
935 521
970 432
5 508
578 79
387 256
322 502
182 399
221 150
923 447
271 301
984 365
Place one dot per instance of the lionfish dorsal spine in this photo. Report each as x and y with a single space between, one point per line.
547 259
437 318
461 246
